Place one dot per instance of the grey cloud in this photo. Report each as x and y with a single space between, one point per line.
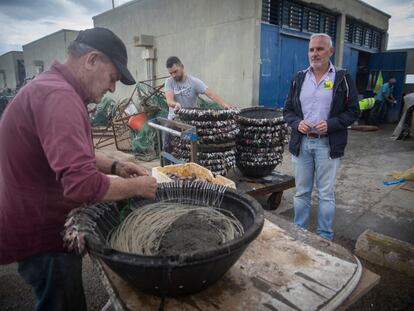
94 5
384 3
32 10
402 42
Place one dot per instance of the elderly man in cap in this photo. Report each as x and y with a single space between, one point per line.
48 166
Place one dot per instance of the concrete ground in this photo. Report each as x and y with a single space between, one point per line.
362 202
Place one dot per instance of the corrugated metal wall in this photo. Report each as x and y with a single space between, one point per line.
391 64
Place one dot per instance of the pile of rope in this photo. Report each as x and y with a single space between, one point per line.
166 228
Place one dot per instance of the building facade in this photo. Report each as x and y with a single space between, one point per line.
357 30
12 71
247 50
218 41
39 54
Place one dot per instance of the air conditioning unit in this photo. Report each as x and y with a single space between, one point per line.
144 40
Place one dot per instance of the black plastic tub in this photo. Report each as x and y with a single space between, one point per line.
182 274
259 116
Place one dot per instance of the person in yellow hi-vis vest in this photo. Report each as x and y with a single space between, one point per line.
366 103
365 106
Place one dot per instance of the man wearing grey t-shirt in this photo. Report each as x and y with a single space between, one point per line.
182 90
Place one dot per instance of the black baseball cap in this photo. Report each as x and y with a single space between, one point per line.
105 41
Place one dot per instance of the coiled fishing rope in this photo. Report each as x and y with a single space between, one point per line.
144 229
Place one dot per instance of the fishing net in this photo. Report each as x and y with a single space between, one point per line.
103 112
152 101
144 141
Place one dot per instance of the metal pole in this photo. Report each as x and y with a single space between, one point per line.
194 150
113 3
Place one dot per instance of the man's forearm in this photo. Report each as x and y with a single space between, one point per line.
124 188
213 96
103 163
220 101
121 188
169 96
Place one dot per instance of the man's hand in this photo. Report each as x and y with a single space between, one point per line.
177 106
147 187
129 169
304 127
322 127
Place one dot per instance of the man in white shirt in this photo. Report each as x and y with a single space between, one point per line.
182 89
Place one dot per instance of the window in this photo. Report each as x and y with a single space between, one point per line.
294 15
312 20
272 12
362 34
376 40
358 35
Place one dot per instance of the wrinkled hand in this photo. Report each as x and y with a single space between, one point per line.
147 187
322 127
129 169
304 127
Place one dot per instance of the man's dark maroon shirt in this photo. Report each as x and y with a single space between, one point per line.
47 164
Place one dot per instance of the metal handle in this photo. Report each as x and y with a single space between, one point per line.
164 128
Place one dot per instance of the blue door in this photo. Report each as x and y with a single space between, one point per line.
269 66
350 60
282 54
294 58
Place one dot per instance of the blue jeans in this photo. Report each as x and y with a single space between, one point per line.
314 164
56 280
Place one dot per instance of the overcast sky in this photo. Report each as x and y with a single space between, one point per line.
24 21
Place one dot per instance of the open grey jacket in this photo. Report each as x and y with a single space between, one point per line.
344 111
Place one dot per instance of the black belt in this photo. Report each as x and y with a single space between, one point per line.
316 135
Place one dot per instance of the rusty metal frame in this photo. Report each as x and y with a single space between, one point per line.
117 130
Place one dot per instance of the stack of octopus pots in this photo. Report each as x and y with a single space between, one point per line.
216 131
261 140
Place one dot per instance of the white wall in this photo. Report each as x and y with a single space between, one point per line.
47 49
8 69
217 40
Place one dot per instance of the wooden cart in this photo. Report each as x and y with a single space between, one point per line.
273 184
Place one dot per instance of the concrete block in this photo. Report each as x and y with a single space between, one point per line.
386 251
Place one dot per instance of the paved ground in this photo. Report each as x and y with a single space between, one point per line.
361 198
362 202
